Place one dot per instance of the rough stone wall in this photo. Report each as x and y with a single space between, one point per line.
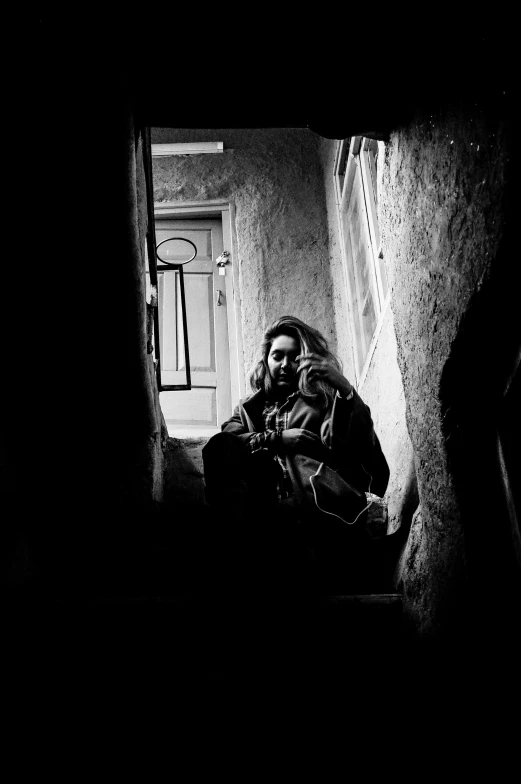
145 478
184 459
382 388
274 178
441 220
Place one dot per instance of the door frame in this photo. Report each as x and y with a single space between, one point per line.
225 210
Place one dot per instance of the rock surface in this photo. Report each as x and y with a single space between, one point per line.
441 221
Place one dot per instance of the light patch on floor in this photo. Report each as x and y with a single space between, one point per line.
191 431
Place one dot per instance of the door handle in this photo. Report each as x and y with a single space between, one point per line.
219 295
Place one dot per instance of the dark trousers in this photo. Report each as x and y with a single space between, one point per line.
233 475
265 542
260 540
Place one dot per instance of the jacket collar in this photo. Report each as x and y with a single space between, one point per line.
254 407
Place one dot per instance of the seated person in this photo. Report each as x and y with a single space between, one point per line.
290 469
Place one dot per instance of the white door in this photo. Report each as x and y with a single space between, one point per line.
208 403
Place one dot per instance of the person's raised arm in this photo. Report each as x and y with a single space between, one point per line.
321 368
352 431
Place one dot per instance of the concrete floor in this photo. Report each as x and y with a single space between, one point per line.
191 431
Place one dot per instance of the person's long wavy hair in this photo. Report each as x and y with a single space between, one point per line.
310 340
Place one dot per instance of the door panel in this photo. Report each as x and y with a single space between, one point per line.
198 292
191 407
209 401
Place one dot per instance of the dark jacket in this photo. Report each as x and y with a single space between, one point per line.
345 428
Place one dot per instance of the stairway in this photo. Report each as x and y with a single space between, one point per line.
195 643
164 602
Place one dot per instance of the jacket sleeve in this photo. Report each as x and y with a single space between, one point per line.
266 440
237 426
350 434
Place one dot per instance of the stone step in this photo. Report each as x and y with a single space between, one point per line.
354 647
194 625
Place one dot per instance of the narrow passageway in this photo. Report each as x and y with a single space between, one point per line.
356 245
275 191
394 236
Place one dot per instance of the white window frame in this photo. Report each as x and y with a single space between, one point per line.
354 152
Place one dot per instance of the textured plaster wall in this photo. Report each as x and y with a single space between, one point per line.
274 178
441 220
382 388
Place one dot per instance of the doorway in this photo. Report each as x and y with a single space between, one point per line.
202 409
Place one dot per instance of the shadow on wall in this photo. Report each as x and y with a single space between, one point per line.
473 396
401 513
403 538
409 559
184 475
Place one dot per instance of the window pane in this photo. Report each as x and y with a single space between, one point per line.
342 163
361 279
362 256
372 157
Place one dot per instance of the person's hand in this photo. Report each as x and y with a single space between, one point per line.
321 368
303 442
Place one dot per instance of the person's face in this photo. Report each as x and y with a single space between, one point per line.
282 362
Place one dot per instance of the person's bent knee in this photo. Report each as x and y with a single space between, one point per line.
219 441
